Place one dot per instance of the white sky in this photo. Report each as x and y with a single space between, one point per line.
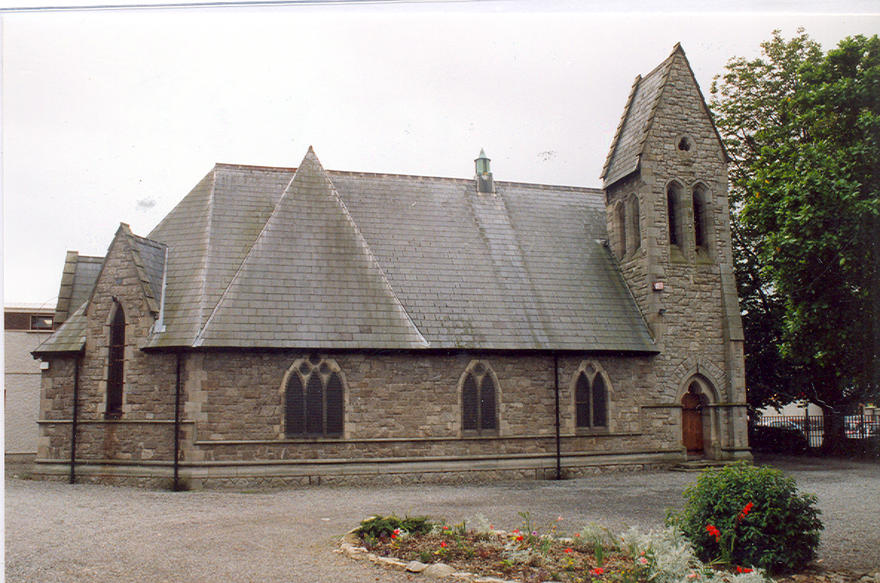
112 116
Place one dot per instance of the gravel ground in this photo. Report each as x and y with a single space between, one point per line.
59 532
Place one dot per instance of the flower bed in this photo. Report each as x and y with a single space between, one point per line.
532 554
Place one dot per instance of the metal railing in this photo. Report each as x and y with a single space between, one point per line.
813 426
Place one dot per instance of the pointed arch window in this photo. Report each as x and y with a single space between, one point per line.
478 399
620 222
701 225
314 399
116 363
633 226
591 399
673 212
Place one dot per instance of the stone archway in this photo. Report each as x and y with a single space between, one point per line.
698 419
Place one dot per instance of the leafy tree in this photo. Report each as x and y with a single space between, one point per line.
803 131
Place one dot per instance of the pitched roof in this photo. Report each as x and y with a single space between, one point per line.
628 144
310 278
77 280
282 257
263 257
629 139
78 283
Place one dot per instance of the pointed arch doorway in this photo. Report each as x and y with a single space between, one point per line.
692 422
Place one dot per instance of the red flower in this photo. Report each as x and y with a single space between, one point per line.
713 532
443 544
519 538
568 550
597 571
742 570
742 514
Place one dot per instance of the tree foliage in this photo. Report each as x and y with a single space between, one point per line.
802 128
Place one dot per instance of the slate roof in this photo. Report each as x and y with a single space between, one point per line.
628 144
629 139
280 257
77 280
78 283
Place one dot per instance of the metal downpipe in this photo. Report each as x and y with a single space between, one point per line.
556 393
75 416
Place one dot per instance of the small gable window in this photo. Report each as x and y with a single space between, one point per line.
478 399
590 397
115 363
313 399
673 210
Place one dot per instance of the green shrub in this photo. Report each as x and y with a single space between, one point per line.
377 527
750 516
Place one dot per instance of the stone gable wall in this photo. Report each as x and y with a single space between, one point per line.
143 432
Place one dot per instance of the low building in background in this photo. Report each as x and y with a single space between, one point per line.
26 327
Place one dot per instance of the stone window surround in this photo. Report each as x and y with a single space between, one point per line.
685 222
490 372
294 369
115 367
591 369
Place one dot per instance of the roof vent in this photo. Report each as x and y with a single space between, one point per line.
484 175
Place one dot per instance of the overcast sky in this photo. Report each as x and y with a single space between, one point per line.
112 116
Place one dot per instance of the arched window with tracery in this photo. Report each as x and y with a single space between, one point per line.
479 399
590 398
116 363
314 399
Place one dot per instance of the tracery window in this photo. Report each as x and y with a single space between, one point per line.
116 363
313 399
590 398
478 399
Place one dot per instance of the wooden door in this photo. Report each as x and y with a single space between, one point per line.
692 424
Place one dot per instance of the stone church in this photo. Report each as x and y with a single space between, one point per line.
287 326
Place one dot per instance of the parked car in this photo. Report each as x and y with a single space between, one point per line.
780 438
863 430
